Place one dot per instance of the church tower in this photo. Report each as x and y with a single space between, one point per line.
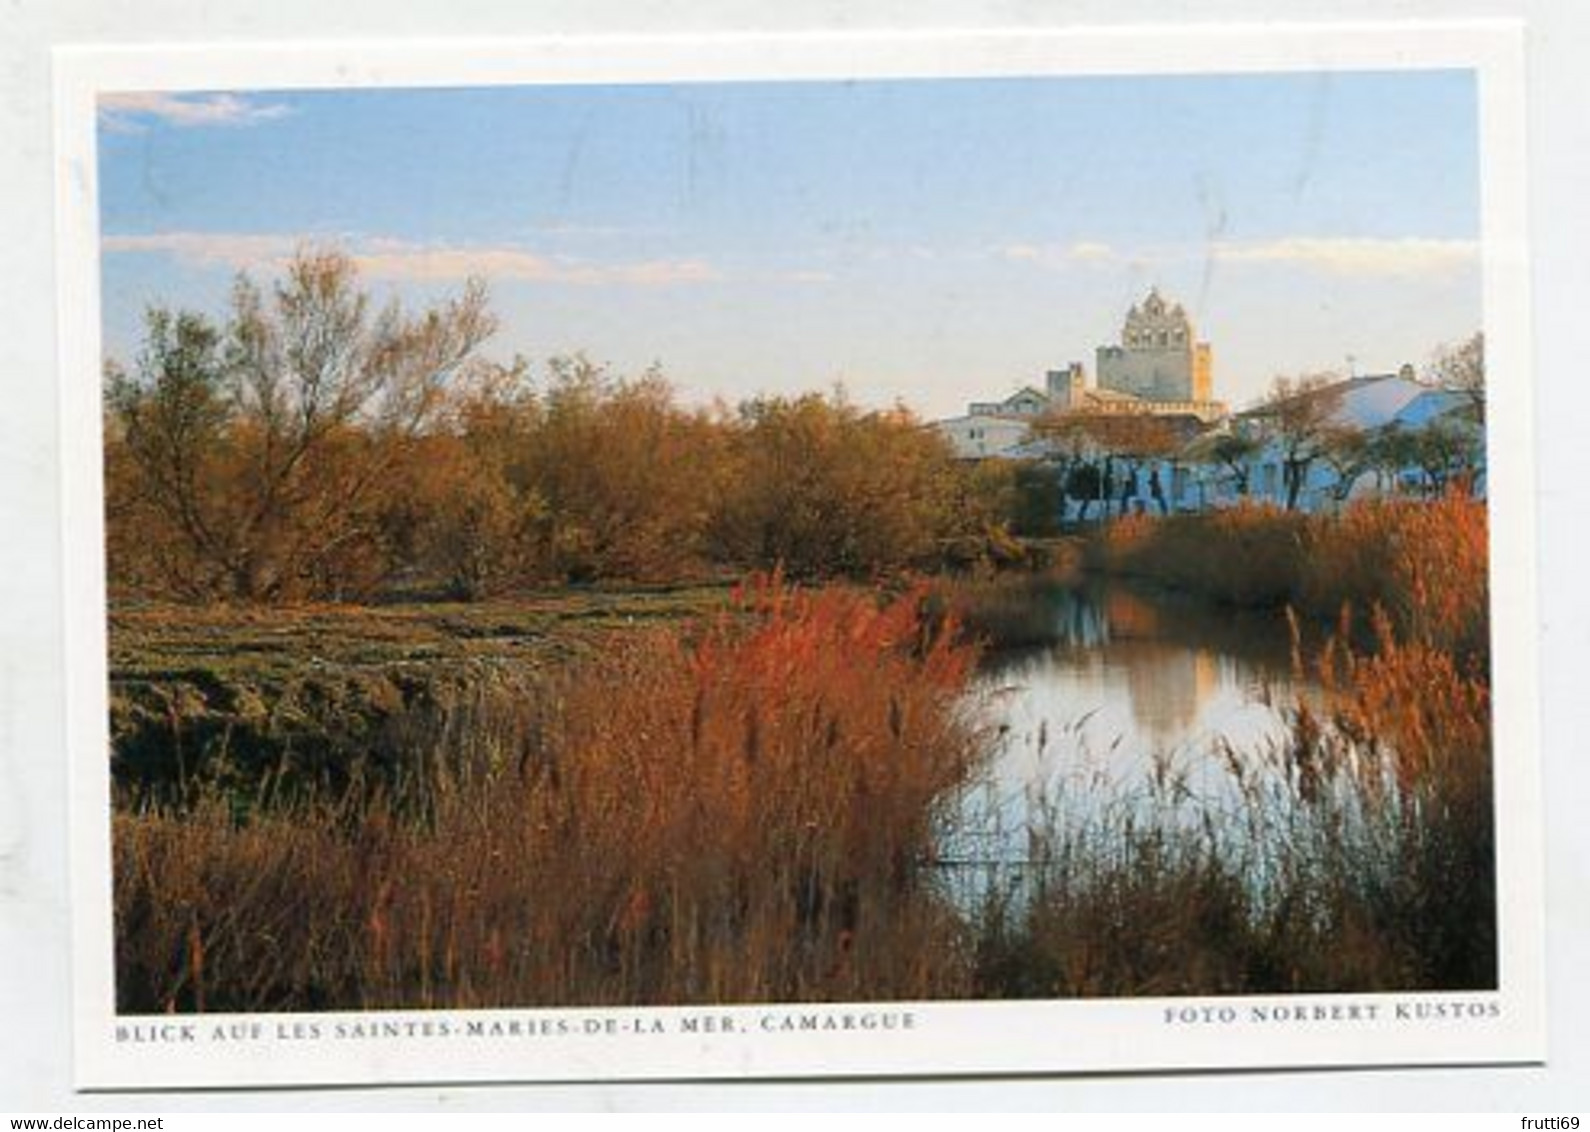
1159 357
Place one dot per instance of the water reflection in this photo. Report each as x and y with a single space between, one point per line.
1139 690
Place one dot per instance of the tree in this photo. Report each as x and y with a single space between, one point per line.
1390 451
824 488
1234 452
1350 455
1444 449
262 443
1089 447
168 428
630 480
1039 500
461 512
983 506
1072 452
1461 368
1298 418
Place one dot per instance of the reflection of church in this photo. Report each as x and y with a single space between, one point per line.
1168 684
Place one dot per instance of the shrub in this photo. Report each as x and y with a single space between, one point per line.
1247 555
1423 563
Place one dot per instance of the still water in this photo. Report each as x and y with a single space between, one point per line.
1143 700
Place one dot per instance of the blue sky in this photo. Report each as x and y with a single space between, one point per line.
928 241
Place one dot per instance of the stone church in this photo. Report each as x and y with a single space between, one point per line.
1159 368
1158 358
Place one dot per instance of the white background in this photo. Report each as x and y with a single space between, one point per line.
34 916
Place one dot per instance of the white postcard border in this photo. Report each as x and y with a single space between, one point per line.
942 1037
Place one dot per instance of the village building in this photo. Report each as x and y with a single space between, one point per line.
1158 358
981 436
1354 414
1158 368
1370 434
1344 455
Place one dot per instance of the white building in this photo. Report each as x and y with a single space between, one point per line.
983 436
1338 463
1345 456
1158 368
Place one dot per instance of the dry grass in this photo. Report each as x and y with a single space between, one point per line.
1251 555
742 818
745 809
997 611
1423 563
310 695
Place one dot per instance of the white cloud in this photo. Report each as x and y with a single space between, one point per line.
387 260
394 260
124 111
1055 255
808 277
1091 251
1337 255
1357 256
397 260
573 231
209 249
1023 252
649 273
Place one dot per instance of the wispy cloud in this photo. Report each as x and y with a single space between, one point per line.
575 231
1028 253
208 249
807 277
1091 251
129 112
395 260
1356 256
1337 255
1061 255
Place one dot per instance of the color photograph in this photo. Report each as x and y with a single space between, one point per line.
891 540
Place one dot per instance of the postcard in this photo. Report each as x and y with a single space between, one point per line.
808 555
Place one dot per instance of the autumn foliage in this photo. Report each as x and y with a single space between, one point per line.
1422 563
742 817
312 447
641 793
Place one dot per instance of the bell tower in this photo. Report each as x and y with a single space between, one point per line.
1159 357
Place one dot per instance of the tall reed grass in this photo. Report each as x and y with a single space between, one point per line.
1423 563
1355 853
744 816
752 810
1247 555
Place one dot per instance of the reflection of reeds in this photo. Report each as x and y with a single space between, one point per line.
1012 610
1423 563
